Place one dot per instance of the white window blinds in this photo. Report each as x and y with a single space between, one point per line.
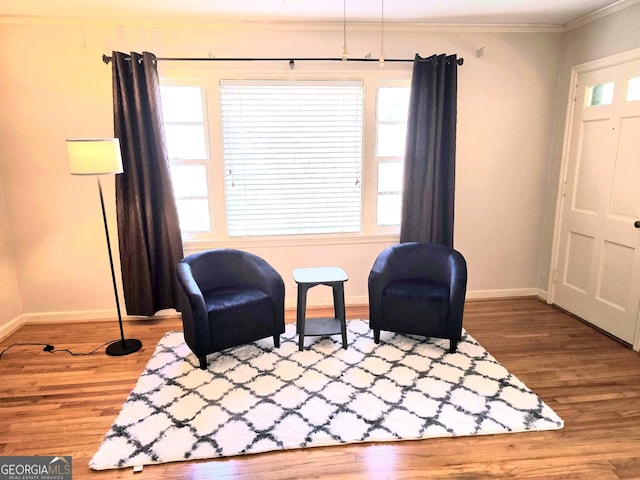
292 156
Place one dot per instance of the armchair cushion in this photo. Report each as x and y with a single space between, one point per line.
228 309
408 300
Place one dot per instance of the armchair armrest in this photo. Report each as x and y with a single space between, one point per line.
457 289
194 312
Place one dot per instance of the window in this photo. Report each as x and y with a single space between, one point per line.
186 137
263 158
392 107
600 94
292 156
633 89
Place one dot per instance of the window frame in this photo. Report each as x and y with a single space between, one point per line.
379 159
206 162
208 79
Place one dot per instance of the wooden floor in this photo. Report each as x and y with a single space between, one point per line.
57 404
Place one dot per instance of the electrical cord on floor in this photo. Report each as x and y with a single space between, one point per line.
51 349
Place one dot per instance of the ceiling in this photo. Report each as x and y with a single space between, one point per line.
480 12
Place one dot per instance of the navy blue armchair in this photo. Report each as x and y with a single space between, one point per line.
418 288
230 298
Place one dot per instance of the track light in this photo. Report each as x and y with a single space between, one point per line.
344 30
381 59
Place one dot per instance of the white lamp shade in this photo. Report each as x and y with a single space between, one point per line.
94 156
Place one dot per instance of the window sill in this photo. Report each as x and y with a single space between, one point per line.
194 246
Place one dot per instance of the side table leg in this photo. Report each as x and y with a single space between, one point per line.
339 309
301 314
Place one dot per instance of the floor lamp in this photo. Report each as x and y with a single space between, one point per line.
100 156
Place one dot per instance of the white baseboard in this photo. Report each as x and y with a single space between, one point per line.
506 293
109 315
68 317
471 295
79 316
326 302
11 327
87 316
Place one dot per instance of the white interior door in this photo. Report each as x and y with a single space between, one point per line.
597 273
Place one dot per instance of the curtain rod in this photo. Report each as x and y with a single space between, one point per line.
106 59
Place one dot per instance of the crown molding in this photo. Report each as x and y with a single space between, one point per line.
281 25
598 14
284 25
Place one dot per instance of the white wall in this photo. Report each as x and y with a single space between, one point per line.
615 33
54 86
10 306
51 91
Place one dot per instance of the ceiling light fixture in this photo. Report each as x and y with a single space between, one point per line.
381 59
344 30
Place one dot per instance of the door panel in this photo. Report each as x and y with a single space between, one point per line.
625 196
591 151
598 265
579 259
615 264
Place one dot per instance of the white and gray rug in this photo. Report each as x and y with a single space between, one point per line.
256 398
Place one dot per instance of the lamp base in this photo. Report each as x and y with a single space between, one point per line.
118 349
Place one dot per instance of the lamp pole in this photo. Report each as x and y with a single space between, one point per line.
119 347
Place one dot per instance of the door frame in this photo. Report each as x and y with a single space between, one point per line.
576 71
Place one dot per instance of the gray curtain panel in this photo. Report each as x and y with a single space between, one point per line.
430 156
148 228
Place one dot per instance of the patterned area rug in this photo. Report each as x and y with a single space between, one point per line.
256 398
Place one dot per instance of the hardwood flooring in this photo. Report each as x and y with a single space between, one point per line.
57 404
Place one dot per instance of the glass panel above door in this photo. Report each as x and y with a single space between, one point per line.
600 94
633 89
